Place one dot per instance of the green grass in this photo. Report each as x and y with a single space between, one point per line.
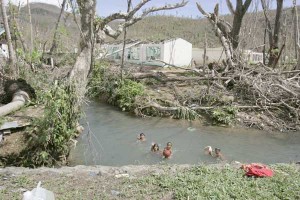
168 182
206 182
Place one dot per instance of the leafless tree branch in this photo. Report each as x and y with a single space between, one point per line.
131 19
230 7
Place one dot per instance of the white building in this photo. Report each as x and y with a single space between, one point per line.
253 57
3 45
176 52
218 54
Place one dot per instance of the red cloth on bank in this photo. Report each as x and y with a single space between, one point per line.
258 170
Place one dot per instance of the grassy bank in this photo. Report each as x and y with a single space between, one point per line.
153 182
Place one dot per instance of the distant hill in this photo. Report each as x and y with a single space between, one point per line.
154 28
44 18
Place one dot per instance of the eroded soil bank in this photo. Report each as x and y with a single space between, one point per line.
222 181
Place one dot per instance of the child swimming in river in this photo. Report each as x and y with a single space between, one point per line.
208 150
155 147
142 137
168 150
216 154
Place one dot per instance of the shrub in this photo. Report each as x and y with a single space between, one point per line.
126 92
107 82
49 140
224 115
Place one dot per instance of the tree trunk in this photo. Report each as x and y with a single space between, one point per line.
20 35
205 49
238 14
296 28
19 100
78 74
274 46
296 35
225 41
12 56
31 30
237 23
54 43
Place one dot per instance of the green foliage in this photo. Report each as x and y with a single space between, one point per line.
34 57
208 182
209 99
49 141
186 113
224 115
126 92
97 80
119 92
2 120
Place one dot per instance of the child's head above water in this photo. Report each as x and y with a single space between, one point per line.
217 151
155 147
169 145
142 136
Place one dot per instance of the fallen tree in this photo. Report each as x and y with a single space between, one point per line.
18 101
17 93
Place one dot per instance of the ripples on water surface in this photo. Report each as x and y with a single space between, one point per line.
112 141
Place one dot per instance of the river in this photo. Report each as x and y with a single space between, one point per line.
110 139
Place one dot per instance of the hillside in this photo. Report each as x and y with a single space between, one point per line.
44 17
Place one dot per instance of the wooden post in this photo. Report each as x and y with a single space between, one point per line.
204 53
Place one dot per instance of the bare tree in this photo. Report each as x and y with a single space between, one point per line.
222 31
89 28
296 34
12 56
16 26
54 43
124 40
273 33
238 14
31 29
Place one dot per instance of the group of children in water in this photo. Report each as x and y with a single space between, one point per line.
167 152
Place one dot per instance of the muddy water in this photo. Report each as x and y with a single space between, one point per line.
110 139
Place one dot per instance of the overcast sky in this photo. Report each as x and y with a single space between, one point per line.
106 7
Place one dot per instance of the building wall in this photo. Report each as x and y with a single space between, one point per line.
152 52
212 55
177 52
4 50
216 54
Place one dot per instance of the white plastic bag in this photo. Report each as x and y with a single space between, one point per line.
38 193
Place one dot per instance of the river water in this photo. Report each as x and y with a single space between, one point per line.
110 139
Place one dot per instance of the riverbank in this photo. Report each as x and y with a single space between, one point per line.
253 98
222 181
